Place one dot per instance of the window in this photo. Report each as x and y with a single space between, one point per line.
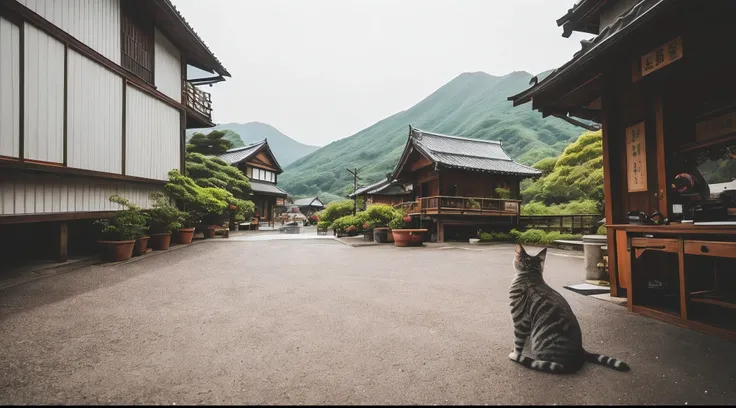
137 41
263 175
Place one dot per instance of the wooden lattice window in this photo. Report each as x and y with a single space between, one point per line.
137 41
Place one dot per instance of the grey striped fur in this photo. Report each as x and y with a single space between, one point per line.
542 315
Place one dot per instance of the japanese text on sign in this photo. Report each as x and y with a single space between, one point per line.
636 158
662 56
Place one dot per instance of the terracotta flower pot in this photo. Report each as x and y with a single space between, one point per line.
141 245
209 231
116 251
160 241
408 237
185 235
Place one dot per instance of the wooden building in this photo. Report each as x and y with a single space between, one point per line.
309 206
455 184
384 192
658 79
258 162
94 101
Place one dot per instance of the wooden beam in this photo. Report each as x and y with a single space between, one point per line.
125 130
62 255
54 217
35 166
661 164
66 106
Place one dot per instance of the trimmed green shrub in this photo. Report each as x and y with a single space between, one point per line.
164 216
128 224
335 210
213 172
207 204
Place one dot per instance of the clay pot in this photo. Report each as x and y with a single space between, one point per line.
116 251
185 235
160 241
141 245
209 231
408 237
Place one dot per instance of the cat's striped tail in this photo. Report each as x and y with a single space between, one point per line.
607 361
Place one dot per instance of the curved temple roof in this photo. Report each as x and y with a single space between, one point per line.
464 153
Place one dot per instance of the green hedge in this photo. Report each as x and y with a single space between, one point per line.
532 236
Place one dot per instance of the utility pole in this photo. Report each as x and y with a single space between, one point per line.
354 172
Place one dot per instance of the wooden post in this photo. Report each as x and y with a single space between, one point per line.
62 255
440 231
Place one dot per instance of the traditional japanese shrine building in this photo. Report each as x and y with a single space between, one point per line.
95 98
384 192
456 183
309 206
659 79
258 162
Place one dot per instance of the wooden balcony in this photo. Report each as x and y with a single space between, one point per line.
197 99
473 206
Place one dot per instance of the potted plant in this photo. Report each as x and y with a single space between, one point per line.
351 230
120 234
185 234
404 237
165 218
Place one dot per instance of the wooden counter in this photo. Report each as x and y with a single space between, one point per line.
693 260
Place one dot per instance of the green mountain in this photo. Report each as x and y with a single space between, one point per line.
286 149
471 105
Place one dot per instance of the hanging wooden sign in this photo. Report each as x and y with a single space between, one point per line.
636 158
661 56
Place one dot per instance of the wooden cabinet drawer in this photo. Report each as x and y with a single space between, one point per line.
711 248
656 244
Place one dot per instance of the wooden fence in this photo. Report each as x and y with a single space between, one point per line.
574 223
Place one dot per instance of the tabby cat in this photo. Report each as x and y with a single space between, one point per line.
539 311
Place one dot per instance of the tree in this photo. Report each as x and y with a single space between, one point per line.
211 144
576 175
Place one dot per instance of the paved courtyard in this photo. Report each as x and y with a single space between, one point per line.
241 321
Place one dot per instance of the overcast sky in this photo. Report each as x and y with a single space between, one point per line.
322 70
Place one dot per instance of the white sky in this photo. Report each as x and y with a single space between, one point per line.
322 70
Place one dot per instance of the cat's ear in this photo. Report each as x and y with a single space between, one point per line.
520 249
542 255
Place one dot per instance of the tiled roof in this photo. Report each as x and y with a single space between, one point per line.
367 188
266 188
382 187
234 156
630 20
470 154
313 201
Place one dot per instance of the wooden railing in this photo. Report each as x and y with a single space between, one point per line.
198 99
573 223
461 205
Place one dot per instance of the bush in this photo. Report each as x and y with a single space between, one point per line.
343 223
539 237
495 236
335 210
128 224
379 215
602 230
207 204
164 216
323 225
504 193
